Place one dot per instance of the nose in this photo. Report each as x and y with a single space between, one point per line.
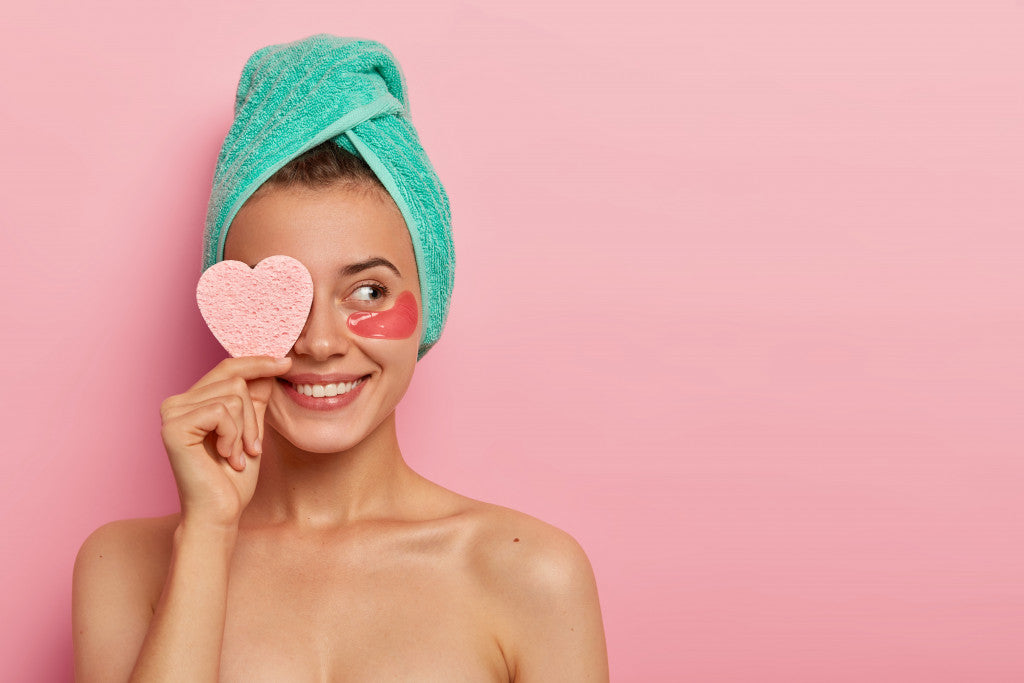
325 333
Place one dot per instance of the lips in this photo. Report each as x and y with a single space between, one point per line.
328 390
350 386
311 378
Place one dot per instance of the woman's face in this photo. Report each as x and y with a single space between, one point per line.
358 250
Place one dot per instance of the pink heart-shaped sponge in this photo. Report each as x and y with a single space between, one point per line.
256 311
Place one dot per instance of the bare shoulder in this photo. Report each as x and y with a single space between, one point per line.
140 546
513 546
144 529
123 558
118 576
549 616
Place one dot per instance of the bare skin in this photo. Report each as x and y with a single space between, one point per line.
318 554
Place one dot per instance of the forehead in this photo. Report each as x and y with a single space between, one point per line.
320 227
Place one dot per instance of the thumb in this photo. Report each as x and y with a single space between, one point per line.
260 390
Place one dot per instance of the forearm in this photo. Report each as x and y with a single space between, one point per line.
186 634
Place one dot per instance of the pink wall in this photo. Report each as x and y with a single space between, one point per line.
759 338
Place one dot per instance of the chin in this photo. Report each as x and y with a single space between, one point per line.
317 439
322 437
324 445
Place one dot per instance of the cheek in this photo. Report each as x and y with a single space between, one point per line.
398 322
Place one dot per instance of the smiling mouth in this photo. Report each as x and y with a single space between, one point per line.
324 390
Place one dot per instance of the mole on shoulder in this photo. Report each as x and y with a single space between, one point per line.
515 540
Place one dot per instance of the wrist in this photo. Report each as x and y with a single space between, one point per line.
205 531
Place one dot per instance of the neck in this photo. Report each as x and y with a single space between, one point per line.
330 490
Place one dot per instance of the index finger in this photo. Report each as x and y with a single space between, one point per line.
246 367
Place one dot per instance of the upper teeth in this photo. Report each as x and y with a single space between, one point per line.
321 390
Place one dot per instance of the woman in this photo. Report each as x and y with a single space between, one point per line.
306 548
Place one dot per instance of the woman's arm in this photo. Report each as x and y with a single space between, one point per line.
212 435
118 636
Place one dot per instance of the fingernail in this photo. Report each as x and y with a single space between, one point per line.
282 361
258 445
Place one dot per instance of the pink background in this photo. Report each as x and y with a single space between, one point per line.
737 306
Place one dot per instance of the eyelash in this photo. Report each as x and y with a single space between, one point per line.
384 291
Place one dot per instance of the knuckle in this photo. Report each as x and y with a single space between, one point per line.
167 405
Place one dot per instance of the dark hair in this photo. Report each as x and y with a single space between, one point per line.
323 166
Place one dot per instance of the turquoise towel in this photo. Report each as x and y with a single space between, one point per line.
293 96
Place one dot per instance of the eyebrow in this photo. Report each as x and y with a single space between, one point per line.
359 266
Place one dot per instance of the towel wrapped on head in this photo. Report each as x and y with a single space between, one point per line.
293 96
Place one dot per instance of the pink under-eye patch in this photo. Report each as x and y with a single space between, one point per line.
256 311
398 322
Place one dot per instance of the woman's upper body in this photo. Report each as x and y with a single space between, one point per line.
450 590
318 553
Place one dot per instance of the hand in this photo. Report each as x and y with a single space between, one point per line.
209 430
